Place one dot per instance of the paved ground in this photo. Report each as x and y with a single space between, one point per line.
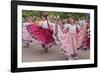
35 53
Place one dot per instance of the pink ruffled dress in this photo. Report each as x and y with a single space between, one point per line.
71 39
26 37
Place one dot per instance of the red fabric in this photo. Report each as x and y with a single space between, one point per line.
41 34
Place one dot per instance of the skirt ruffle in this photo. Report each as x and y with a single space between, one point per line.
71 41
45 36
26 37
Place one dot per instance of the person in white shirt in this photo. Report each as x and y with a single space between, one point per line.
71 39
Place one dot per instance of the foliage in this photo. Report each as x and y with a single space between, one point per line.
62 15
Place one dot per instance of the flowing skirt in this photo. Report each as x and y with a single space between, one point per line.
86 42
43 35
71 41
26 37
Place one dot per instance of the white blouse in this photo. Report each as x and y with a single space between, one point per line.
81 22
71 28
44 24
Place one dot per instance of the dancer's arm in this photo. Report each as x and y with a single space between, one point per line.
48 22
64 29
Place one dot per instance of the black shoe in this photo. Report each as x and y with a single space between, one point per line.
43 45
84 48
45 50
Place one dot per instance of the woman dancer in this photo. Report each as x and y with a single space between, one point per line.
42 33
86 42
26 37
70 39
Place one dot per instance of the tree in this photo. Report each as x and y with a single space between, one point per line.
62 15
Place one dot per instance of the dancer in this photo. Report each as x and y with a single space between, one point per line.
26 37
70 39
86 42
42 33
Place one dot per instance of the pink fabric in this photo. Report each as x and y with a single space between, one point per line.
26 37
86 42
43 35
71 41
